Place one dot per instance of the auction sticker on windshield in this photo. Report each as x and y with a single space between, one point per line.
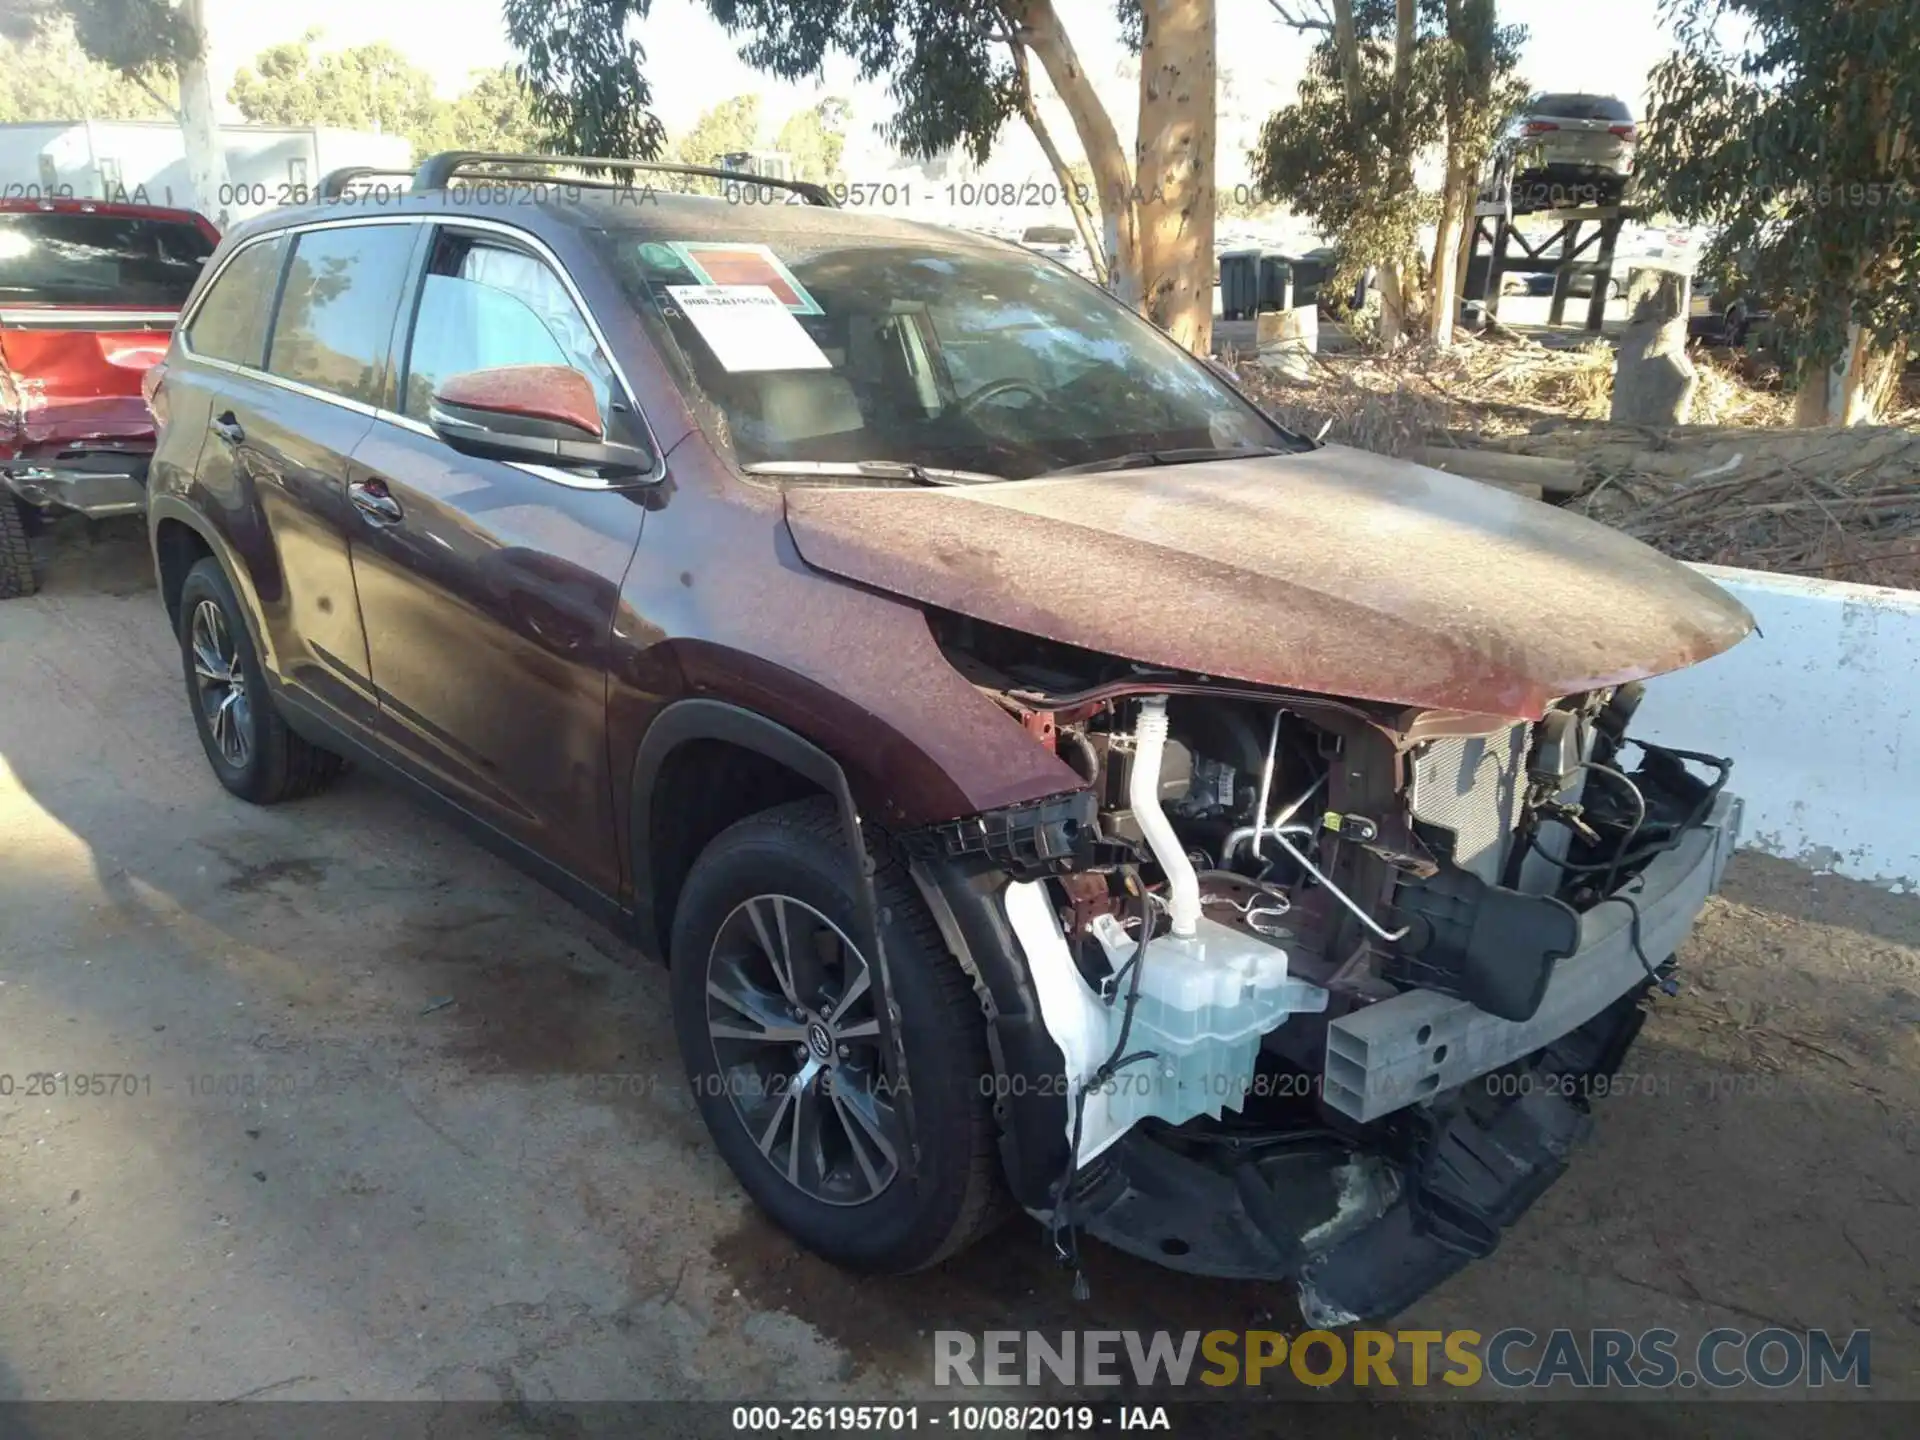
716 262
748 327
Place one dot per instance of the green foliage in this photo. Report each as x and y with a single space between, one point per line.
1326 158
368 87
373 87
1346 162
585 74
730 126
946 67
1474 76
49 77
1802 148
815 138
142 39
496 112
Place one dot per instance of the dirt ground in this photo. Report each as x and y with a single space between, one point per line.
404 1125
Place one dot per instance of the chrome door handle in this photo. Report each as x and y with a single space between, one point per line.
228 428
371 499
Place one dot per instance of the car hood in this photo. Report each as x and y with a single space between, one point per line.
1333 571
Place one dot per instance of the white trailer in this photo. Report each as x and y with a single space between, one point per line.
145 162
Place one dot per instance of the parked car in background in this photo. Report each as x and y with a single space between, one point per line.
1721 319
1566 151
1059 243
88 295
1580 285
1052 784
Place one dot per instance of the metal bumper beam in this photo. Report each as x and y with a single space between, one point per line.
1419 1044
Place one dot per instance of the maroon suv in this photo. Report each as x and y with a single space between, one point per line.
1052 784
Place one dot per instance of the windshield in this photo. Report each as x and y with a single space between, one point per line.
75 258
811 343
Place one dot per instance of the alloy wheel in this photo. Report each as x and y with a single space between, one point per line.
796 1041
221 682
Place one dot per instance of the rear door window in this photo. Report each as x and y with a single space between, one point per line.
337 307
51 257
231 323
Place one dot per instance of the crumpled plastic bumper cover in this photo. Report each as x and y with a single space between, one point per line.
95 484
1361 1235
1421 1043
1364 1230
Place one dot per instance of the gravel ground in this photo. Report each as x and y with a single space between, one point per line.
404 1125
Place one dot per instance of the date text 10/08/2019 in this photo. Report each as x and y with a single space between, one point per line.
957 1419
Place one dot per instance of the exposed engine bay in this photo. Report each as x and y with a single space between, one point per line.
1267 912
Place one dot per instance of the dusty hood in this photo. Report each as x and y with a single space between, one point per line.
1335 571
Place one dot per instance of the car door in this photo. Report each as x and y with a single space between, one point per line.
488 588
279 439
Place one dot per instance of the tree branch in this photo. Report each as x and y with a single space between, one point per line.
1322 21
158 98
1030 112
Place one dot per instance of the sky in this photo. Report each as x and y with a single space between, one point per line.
1594 45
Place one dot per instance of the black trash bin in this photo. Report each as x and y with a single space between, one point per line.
1254 280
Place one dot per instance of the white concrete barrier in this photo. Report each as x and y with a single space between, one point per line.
1820 713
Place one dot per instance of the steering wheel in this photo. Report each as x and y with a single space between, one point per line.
993 390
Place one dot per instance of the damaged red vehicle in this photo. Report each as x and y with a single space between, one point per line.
1053 785
88 295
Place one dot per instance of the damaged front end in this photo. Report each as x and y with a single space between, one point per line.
1298 988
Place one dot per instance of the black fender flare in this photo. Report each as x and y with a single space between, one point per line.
703 719
170 507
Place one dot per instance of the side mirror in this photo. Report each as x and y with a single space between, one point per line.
535 414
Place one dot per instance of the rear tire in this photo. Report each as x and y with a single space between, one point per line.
790 867
249 746
16 555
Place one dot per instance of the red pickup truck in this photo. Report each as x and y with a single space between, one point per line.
88 295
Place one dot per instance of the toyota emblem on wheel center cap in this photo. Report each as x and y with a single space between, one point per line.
819 1041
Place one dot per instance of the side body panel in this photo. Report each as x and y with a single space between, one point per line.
278 494
489 608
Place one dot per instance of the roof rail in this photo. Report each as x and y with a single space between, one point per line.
334 183
439 171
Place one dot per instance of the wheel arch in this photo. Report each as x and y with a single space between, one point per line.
180 537
712 763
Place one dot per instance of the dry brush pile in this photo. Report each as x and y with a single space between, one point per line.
1734 488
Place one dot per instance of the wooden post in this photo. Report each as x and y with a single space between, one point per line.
1653 381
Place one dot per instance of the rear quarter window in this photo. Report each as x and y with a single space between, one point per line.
231 323
337 308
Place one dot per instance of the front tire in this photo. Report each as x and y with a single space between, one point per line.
773 1005
249 746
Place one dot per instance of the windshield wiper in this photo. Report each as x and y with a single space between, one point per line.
872 470
1192 456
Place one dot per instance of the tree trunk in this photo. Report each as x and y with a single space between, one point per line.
1398 273
1874 384
1069 187
1346 45
1855 390
1174 167
1042 32
1456 214
200 126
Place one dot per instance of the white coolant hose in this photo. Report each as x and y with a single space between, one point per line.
1143 794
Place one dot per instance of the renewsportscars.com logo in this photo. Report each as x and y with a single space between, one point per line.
1514 1358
